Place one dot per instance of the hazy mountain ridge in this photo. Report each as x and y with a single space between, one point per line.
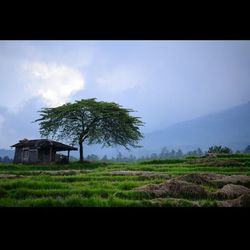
229 127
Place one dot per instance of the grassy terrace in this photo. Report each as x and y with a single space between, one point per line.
94 184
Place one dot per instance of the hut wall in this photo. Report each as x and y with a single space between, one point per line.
36 154
53 154
25 155
18 155
44 155
32 155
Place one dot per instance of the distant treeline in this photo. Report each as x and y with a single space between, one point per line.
167 154
5 159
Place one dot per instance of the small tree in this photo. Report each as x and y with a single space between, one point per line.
199 152
119 157
93 122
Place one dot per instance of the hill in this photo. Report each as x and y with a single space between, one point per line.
229 127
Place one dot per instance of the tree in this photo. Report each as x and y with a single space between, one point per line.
6 159
90 121
119 157
153 156
247 150
192 153
132 158
105 158
92 157
172 153
164 153
179 153
220 149
199 152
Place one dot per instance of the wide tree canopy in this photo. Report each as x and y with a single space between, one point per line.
93 122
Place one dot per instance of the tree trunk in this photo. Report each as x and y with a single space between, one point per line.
81 151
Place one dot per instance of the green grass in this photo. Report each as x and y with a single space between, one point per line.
97 188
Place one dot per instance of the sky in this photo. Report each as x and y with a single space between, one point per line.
165 82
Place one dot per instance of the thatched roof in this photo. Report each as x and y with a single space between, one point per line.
41 143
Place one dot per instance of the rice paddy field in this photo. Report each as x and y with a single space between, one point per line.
218 181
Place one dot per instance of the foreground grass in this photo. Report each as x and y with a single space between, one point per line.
94 186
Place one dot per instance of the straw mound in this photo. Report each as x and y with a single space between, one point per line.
175 188
233 179
200 178
242 201
231 191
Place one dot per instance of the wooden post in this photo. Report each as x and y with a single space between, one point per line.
50 156
68 155
37 155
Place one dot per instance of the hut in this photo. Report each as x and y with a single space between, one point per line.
40 151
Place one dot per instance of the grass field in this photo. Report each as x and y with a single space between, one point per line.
119 184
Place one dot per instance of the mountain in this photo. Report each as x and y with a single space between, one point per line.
7 152
228 128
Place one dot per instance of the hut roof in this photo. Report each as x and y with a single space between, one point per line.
44 143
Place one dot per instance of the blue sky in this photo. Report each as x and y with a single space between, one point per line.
164 81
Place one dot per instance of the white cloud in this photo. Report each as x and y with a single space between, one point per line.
55 83
120 79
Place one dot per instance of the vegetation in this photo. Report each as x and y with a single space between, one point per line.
220 150
166 154
87 120
94 184
5 159
247 150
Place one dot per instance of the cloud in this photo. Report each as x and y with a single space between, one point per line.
120 79
54 83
